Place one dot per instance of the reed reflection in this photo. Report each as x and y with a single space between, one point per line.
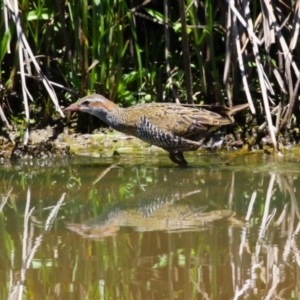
215 233
183 250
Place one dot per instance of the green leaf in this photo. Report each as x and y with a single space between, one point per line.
177 27
41 14
155 14
3 46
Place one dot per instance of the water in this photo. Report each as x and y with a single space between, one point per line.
142 228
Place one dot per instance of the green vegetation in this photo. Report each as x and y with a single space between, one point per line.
135 51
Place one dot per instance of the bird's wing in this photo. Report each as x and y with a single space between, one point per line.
181 120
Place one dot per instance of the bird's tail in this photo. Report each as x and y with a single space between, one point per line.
220 109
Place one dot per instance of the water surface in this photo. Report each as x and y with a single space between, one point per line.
142 228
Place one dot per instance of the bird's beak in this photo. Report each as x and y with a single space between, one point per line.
72 107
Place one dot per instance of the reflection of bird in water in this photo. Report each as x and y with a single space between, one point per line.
162 208
174 127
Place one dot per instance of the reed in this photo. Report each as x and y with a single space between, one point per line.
133 53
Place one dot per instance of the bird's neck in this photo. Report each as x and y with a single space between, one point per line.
104 114
117 118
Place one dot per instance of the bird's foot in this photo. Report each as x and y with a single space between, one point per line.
178 158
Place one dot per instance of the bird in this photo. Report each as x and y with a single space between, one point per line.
173 127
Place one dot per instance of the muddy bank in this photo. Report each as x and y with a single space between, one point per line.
47 143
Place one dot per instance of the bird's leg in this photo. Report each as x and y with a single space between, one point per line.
178 158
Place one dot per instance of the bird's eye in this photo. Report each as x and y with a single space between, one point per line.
85 103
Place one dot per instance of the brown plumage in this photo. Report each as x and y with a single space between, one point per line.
173 127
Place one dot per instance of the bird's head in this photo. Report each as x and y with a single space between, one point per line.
94 104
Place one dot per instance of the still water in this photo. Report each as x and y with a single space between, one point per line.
142 228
